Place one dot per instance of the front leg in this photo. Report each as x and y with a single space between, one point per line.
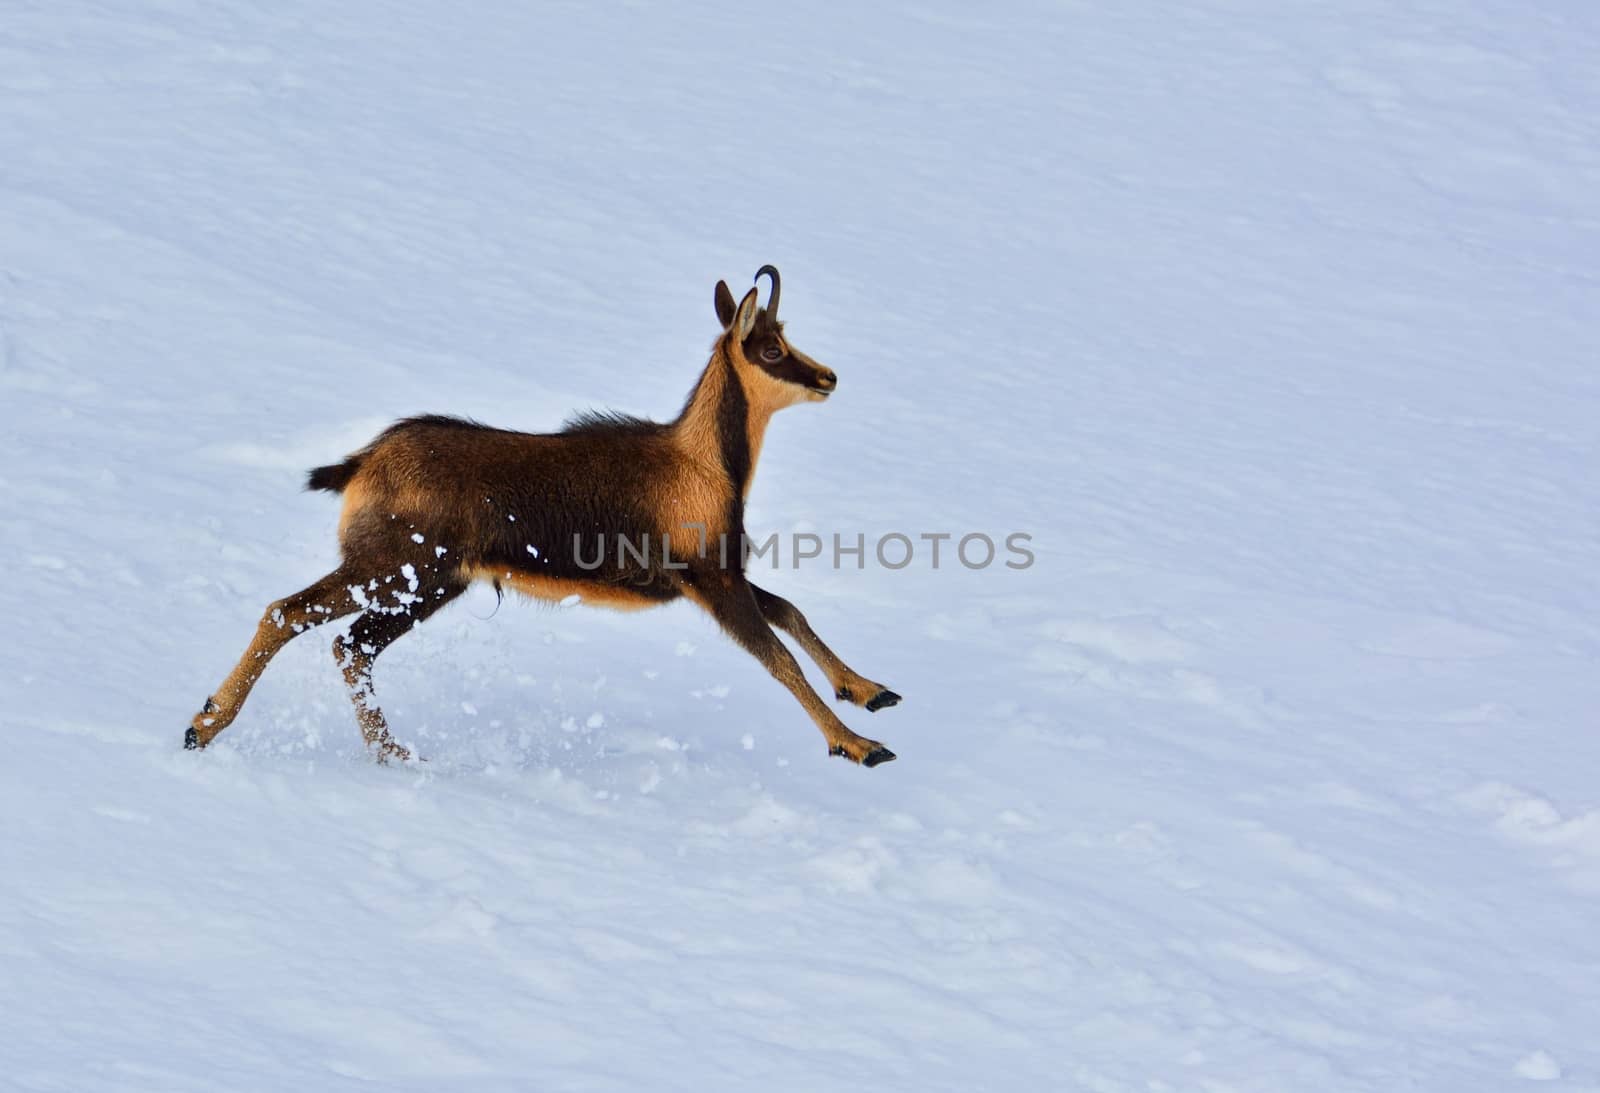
847 683
731 600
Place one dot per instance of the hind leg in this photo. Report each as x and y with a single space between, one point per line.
369 636
328 599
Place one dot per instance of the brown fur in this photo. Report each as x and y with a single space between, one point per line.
434 503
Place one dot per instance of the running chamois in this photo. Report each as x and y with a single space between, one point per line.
435 503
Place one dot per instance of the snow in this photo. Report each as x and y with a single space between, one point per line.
1273 326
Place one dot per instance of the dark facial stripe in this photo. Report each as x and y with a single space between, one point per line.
789 370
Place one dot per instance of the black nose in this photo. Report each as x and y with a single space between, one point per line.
827 381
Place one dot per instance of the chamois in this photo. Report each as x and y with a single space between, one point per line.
435 503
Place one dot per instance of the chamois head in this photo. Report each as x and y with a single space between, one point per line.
768 367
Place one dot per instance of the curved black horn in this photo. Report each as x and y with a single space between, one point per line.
772 301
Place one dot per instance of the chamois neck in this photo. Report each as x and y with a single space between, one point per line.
720 425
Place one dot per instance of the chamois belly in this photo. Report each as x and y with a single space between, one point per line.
594 593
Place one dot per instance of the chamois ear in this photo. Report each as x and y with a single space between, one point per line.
745 320
725 307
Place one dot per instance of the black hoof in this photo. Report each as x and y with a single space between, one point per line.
879 754
191 741
882 700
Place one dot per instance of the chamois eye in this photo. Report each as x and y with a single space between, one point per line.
772 353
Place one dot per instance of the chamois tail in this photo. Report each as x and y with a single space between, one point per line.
335 477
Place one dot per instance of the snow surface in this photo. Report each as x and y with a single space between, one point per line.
1273 323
